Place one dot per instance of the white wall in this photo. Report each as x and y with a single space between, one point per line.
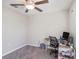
72 20
43 25
14 32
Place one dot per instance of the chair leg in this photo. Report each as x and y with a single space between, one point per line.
51 52
56 53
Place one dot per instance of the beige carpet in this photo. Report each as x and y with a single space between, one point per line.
29 52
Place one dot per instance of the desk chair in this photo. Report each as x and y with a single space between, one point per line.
54 44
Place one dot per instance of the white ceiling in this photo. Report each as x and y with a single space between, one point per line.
52 6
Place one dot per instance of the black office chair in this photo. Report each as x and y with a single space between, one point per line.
54 44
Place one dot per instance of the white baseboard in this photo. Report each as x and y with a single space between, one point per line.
13 50
34 45
19 48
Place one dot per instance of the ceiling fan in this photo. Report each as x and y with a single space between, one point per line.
31 4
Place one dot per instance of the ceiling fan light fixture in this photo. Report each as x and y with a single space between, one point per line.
30 6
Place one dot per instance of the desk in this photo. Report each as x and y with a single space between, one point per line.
64 48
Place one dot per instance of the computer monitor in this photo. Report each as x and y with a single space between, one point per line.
66 35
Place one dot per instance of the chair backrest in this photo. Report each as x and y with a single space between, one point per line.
53 41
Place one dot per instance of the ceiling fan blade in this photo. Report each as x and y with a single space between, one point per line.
41 2
38 9
17 5
26 10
